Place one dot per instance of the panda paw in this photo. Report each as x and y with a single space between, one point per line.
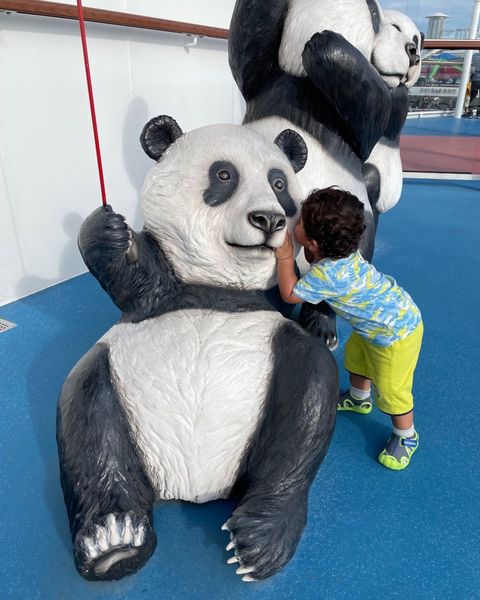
114 546
264 534
320 321
105 233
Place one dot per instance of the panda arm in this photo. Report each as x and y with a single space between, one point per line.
254 40
104 240
352 87
398 116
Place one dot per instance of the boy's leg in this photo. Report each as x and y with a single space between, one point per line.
360 383
402 443
403 422
396 398
357 399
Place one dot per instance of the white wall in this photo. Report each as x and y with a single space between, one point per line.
48 174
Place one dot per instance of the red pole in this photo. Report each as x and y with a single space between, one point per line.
92 103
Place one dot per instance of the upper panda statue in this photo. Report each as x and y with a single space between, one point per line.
306 65
203 389
383 171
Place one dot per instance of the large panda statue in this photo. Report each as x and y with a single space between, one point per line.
305 65
383 171
203 390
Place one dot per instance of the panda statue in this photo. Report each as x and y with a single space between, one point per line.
305 65
203 390
383 173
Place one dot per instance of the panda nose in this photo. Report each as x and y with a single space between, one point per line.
267 221
411 50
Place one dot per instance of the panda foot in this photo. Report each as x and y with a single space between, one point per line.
264 533
115 546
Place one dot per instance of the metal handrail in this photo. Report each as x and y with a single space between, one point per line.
444 44
110 17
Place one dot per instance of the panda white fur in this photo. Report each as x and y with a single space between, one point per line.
203 389
305 65
383 169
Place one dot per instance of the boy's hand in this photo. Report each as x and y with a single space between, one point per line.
285 251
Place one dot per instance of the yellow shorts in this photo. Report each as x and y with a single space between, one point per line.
390 368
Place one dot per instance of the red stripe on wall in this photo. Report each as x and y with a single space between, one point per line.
437 154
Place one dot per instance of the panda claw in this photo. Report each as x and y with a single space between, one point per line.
247 578
230 546
333 345
90 547
232 560
225 527
244 570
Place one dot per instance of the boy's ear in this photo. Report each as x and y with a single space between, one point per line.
313 246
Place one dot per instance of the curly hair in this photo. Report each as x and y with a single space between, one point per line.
334 219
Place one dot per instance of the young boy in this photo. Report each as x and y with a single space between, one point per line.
388 329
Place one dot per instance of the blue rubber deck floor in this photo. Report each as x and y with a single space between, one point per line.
442 126
372 533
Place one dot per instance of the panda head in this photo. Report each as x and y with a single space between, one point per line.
359 21
396 54
220 199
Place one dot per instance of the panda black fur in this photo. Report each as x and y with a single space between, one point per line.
383 169
202 389
305 65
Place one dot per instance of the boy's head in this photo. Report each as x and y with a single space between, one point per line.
332 222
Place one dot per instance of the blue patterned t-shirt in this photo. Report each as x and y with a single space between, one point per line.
374 305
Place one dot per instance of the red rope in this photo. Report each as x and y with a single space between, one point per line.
92 103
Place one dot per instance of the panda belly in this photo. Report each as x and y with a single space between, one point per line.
324 166
193 384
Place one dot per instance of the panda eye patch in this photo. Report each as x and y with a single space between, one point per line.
223 180
279 183
224 175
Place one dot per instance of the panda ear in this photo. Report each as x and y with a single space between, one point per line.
158 134
294 147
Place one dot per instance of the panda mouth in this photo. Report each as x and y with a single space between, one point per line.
384 74
400 75
251 247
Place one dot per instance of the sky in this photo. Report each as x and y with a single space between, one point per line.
460 11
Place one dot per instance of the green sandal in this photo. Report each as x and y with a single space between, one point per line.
398 452
347 403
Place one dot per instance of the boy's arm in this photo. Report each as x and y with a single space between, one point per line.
287 278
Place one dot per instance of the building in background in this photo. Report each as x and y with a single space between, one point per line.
436 25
